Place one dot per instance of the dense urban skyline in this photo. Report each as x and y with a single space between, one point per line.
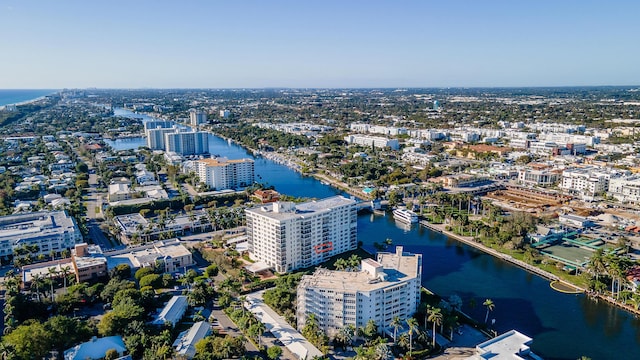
203 44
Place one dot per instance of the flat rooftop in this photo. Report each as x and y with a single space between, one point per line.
36 224
508 346
283 210
223 161
395 269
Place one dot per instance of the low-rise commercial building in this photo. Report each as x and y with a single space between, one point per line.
169 255
380 291
539 175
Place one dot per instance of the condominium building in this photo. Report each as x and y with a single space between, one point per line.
288 236
222 173
380 291
49 231
187 143
375 141
625 189
197 117
156 137
587 182
155 124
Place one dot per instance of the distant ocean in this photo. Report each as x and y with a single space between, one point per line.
8 96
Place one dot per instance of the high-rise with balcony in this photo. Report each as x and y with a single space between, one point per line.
197 117
288 236
187 142
221 173
380 291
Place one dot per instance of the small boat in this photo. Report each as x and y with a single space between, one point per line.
405 215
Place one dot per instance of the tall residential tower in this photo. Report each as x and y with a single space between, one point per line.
289 236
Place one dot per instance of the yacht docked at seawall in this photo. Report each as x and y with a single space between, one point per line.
405 215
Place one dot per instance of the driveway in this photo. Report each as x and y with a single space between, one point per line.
278 326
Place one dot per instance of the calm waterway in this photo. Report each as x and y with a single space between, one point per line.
563 326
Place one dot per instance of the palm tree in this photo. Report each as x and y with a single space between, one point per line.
65 273
490 306
242 299
37 281
260 329
435 317
635 301
381 351
396 323
53 272
413 327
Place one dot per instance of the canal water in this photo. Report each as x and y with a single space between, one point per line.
563 326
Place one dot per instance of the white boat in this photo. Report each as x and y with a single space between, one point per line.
405 215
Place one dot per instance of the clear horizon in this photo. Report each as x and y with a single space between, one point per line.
317 44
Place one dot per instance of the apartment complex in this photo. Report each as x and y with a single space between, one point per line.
197 117
222 173
380 291
626 189
587 182
187 143
182 140
288 236
49 231
375 141
156 137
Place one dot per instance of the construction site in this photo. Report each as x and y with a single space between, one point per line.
534 201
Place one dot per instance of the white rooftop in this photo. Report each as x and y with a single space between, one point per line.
185 344
172 311
282 210
511 345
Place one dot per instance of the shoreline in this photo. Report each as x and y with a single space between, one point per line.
521 264
26 102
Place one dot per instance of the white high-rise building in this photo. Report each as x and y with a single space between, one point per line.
156 138
380 291
225 114
221 173
155 124
289 236
197 117
187 143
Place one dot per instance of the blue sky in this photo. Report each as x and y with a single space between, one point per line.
222 44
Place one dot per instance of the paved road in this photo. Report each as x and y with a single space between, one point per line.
230 328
